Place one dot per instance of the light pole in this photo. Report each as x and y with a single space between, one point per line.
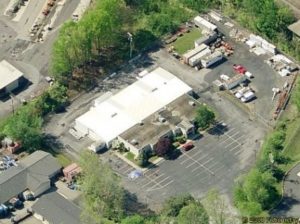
130 38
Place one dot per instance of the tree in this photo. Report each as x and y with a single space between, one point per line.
193 213
173 205
205 117
256 191
217 208
163 147
135 219
25 126
103 196
143 158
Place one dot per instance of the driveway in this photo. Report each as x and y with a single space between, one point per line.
290 205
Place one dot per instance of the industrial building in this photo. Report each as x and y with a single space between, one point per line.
204 24
9 77
112 115
176 118
33 173
53 208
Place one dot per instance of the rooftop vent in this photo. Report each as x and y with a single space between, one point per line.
113 115
192 103
153 90
161 119
134 142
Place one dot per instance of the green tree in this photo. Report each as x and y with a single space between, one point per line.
256 190
143 158
135 219
205 117
173 205
25 126
103 196
193 213
217 208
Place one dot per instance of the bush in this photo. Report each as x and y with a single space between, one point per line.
143 158
180 139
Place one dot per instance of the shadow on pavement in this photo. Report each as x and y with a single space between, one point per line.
133 206
285 205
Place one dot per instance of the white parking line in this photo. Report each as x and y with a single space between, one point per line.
234 148
229 144
158 183
152 180
158 188
200 164
238 152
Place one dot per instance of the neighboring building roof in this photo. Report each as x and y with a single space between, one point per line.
179 112
8 74
130 106
41 163
31 172
56 209
295 28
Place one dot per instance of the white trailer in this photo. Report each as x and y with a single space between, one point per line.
247 96
204 24
193 52
211 59
195 60
234 81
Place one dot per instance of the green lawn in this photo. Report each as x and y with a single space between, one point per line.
130 156
186 42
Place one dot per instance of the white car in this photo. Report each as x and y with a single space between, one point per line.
249 74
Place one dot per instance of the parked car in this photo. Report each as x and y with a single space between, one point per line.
239 69
188 146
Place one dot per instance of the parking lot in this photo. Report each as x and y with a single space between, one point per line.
218 158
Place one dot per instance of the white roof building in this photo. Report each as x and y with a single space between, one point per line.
108 119
8 74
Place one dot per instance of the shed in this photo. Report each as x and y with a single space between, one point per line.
71 171
295 28
9 77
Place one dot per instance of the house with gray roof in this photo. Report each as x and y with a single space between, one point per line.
53 208
33 173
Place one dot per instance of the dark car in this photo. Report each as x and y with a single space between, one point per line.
188 146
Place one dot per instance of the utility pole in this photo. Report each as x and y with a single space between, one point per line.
130 38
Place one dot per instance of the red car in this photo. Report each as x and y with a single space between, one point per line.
188 146
239 69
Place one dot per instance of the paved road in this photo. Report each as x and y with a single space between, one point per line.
290 205
31 58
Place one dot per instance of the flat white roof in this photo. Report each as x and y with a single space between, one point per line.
130 106
8 74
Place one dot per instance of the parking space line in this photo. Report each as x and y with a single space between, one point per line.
229 144
159 183
163 186
208 170
152 180
238 152
234 148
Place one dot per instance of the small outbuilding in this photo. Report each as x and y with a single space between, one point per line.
295 28
9 77
71 171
